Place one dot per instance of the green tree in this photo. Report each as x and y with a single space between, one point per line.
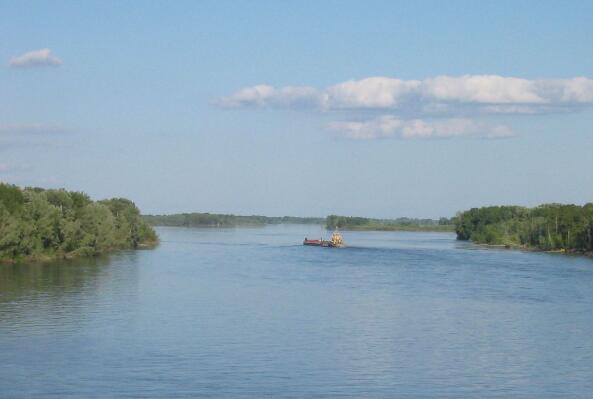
37 223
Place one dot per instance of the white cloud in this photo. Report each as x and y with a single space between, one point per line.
268 96
481 89
4 167
388 126
35 58
444 94
436 107
576 90
376 92
382 127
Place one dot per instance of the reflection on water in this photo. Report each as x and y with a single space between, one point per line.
59 295
52 279
240 313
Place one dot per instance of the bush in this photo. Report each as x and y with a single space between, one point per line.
38 223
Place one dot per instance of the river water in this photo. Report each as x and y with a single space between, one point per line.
251 313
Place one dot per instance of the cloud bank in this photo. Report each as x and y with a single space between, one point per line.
388 126
490 93
36 58
436 107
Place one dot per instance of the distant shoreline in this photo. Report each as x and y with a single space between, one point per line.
212 220
216 220
410 228
428 229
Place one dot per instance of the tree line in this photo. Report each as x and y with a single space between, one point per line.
40 224
411 224
546 227
223 220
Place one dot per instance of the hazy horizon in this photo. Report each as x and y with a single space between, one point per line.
379 109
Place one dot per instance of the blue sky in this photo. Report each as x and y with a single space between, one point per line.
379 109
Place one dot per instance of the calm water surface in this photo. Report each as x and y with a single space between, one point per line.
250 313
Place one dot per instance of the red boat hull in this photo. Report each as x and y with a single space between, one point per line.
316 243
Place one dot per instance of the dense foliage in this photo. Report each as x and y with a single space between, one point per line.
218 220
43 224
546 227
359 223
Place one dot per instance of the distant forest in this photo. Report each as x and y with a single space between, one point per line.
550 227
221 220
331 222
406 224
39 224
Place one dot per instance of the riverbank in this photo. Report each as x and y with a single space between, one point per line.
216 220
412 228
554 228
41 225
331 222
357 223
85 252
518 247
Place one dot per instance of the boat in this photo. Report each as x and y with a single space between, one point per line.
336 241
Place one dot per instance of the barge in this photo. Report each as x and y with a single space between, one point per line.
336 241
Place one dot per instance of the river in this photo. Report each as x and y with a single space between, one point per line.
251 313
